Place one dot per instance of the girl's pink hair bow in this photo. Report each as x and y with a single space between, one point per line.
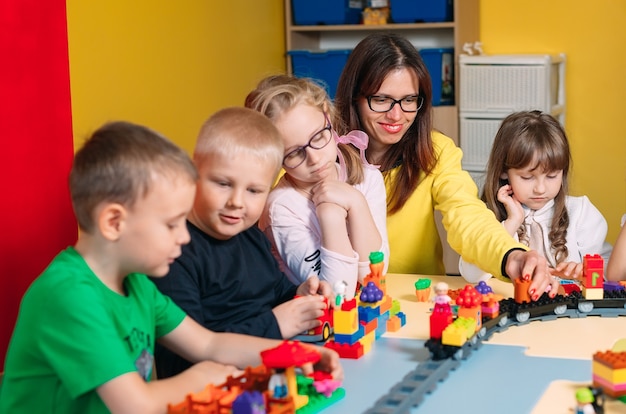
360 140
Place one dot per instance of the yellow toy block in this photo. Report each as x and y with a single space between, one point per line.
615 376
593 293
454 335
346 322
367 341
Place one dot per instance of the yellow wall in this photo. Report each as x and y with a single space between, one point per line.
169 65
592 35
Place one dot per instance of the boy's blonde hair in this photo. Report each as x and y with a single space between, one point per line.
277 94
239 130
118 163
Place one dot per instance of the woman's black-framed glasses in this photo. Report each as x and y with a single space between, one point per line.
319 140
381 104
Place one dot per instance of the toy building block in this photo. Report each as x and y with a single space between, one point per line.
369 326
520 287
592 293
395 306
474 313
346 321
458 332
490 306
453 336
367 341
593 271
354 351
609 372
382 324
422 290
319 402
439 320
386 304
350 338
396 322
367 314
469 301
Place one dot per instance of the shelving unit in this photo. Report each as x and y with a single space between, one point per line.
498 85
464 28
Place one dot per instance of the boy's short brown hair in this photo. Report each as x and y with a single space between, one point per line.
240 130
118 163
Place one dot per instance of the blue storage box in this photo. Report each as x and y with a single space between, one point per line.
323 66
440 65
315 12
411 11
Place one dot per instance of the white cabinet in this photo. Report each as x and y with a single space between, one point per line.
492 87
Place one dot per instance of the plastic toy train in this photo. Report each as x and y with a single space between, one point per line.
480 314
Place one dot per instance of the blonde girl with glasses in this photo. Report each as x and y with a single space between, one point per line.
327 212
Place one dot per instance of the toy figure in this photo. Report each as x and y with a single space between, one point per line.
278 383
584 401
441 298
340 292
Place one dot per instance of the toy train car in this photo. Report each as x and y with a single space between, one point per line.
545 308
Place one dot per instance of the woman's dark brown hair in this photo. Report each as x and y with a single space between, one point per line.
369 63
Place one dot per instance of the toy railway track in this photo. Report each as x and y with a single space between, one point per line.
413 388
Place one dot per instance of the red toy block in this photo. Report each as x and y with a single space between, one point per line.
350 351
348 304
593 271
439 320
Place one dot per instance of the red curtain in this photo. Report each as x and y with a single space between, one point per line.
36 150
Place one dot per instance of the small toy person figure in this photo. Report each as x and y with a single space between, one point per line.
441 298
340 292
277 385
584 401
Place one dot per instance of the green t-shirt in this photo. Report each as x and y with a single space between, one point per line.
74 334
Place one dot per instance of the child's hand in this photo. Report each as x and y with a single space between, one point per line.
314 286
513 207
568 270
531 265
299 315
337 192
210 372
329 362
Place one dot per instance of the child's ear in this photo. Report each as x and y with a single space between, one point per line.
504 176
111 221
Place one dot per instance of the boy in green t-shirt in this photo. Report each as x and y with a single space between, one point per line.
85 335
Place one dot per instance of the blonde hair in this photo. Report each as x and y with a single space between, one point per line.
239 130
118 164
277 94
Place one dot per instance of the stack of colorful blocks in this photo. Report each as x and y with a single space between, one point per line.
358 325
609 372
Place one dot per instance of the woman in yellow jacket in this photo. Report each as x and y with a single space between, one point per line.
385 90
